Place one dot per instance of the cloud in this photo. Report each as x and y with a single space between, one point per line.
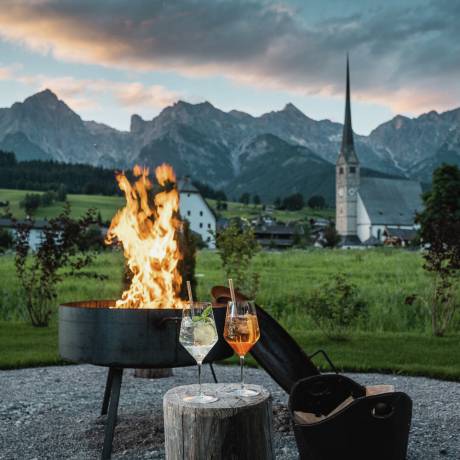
86 93
402 56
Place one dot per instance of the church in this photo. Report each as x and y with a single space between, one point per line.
371 210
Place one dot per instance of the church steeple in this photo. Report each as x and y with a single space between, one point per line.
347 178
347 149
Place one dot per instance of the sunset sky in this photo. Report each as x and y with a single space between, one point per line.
110 59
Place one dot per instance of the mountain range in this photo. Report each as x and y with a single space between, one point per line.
275 154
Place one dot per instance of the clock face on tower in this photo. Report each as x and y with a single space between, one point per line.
352 192
341 192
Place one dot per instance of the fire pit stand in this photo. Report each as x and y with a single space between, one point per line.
92 332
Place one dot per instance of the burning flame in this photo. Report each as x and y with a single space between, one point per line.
149 238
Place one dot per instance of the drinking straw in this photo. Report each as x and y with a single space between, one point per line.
190 295
232 290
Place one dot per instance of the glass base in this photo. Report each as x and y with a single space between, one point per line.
200 399
244 392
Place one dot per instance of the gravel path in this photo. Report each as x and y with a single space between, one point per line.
52 413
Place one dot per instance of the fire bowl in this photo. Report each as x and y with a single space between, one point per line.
92 332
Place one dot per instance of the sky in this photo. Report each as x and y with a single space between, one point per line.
109 59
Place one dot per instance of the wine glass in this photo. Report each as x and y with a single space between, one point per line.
241 332
198 334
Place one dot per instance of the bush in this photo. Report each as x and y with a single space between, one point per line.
6 239
336 307
236 247
30 203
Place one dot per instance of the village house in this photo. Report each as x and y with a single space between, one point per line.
196 210
371 209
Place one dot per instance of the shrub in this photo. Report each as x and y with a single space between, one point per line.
236 247
336 307
30 203
6 239
440 232
40 272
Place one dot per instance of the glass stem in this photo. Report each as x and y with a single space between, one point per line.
199 379
242 371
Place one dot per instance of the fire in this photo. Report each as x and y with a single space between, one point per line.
148 233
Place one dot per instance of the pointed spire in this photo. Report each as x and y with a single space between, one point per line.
347 137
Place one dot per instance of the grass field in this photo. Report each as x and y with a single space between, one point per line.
108 205
396 338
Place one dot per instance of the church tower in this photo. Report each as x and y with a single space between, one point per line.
347 178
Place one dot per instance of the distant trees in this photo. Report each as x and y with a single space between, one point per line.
245 198
440 233
208 192
256 200
31 201
51 175
316 202
294 202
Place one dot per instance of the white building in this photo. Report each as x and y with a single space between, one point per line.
196 210
370 209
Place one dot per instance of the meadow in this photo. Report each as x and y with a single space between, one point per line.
396 337
108 205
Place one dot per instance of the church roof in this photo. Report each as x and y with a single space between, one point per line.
390 201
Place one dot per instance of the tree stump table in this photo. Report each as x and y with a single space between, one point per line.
232 428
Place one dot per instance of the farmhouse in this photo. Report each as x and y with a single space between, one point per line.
371 208
196 210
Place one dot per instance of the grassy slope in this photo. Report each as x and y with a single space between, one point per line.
384 277
107 205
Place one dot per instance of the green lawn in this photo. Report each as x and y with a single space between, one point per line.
396 338
108 205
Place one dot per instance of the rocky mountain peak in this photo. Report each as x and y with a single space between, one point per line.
291 109
45 97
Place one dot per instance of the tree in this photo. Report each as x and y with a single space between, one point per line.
440 233
277 202
6 239
294 202
188 244
30 203
61 194
256 200
40 272
316 202
237 246
245 198
47 198
331 236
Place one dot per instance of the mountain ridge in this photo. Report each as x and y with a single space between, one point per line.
220 147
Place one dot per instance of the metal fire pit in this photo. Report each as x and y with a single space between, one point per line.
91 332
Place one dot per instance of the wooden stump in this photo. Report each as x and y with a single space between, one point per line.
232 428
160 373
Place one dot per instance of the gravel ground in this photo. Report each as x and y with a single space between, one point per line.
52 413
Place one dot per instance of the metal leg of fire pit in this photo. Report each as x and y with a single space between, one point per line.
213 373
108 390
115 385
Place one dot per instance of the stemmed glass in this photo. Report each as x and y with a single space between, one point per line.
241 332
198 334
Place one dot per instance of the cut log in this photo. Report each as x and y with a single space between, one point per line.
153 373
231 428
